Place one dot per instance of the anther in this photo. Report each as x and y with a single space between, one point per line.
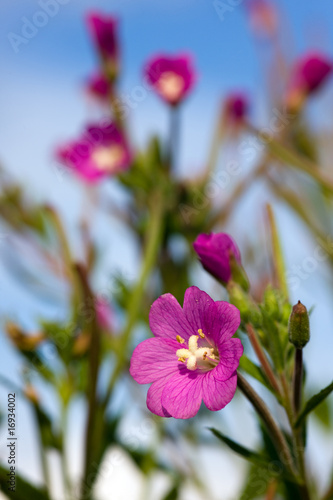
201 333
180 339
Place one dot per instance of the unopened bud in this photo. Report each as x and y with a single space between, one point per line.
299 326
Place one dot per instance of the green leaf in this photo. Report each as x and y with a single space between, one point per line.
173 493
312 403
50 438
254 371
251 456
323 414
23 489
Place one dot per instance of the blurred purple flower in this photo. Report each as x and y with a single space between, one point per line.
171 77
103 29
192 357
311 71
215 251
101 151
308 75
99 86
235 108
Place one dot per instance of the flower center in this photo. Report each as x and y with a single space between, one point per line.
204 357
108 158
171 85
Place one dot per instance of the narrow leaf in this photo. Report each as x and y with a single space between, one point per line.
312 403
249 455
23 489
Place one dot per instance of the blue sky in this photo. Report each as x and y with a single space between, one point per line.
42 104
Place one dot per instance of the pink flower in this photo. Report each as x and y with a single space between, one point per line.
235 108
99 86
103 30
171 77
308 75
192 357
215 252
101 151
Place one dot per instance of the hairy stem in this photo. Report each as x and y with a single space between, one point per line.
276 434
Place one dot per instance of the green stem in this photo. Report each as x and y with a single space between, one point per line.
296 437
297 382
286 155
64 464
174 137
66 254
266 366
154 236
94 359
278 261
276 434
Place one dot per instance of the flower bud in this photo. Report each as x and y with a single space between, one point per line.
220 256
103 29
308 74
299 326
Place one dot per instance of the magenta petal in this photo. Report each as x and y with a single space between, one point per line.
167 319
216 393
154 398
224 319
182 394
153 359
230 354
196 307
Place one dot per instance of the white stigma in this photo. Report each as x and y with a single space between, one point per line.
108 158
194 353
171 85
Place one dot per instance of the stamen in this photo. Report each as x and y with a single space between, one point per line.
180 339
204 355
201 333
193 343
182 360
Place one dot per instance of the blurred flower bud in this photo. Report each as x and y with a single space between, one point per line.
308 75
103 30
21 340
171 77
219 255
98 86
299 326
31 394
235 108
81 344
